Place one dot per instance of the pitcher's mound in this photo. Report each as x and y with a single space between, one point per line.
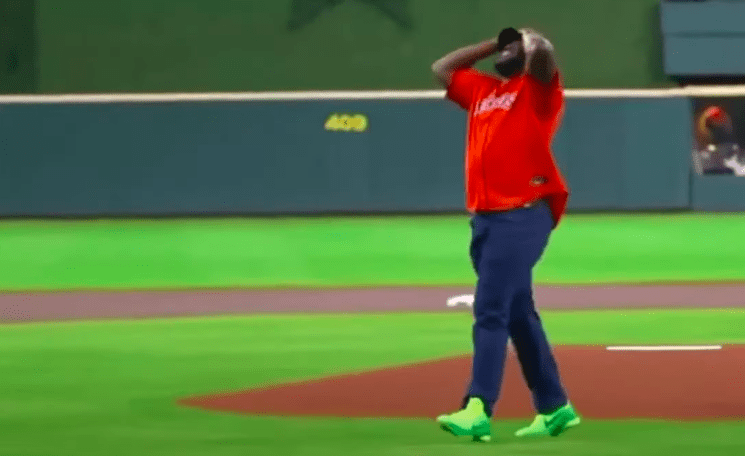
601 384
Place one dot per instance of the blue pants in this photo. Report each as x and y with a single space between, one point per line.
504 248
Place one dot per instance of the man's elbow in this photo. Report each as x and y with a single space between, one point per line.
441 73
543 66
437 69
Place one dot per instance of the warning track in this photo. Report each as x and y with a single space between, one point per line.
138 304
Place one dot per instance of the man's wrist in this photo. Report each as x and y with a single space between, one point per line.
490 45
533 40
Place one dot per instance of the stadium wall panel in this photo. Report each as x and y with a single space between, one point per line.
259 157
93 46
18 47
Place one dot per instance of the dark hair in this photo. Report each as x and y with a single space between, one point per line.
507 36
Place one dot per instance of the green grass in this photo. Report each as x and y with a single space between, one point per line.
191 433
107 387
365 251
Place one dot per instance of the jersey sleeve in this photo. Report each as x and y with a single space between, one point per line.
464 86
548 98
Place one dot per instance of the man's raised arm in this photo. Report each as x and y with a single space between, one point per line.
540 56
462 58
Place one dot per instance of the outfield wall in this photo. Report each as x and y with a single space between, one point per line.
93 46
18 47
247 154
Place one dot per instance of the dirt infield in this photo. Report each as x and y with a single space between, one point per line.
603 384
703 385
84 305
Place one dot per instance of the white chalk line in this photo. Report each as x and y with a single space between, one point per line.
467 300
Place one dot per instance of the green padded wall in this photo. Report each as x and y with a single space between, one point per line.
258 45
17 47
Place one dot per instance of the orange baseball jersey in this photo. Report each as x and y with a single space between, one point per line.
511 124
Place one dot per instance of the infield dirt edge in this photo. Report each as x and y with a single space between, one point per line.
601 384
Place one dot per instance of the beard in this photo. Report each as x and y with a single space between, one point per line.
510 67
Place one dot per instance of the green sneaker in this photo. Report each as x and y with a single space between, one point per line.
472 421
553 424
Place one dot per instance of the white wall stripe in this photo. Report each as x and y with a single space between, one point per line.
718 91
664 347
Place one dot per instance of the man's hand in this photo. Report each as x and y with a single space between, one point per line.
541 63
462 58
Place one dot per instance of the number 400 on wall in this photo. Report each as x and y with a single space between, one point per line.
346 122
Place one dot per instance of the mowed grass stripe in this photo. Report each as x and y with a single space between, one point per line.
347 251
191 353
108 387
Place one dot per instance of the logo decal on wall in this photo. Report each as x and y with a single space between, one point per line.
304 12
347 122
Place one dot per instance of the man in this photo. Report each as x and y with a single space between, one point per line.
517 197
718 151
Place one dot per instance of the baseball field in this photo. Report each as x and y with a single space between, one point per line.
330 336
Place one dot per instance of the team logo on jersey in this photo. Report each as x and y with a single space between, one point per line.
538 180
492 102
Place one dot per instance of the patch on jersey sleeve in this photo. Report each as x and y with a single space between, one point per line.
538 180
